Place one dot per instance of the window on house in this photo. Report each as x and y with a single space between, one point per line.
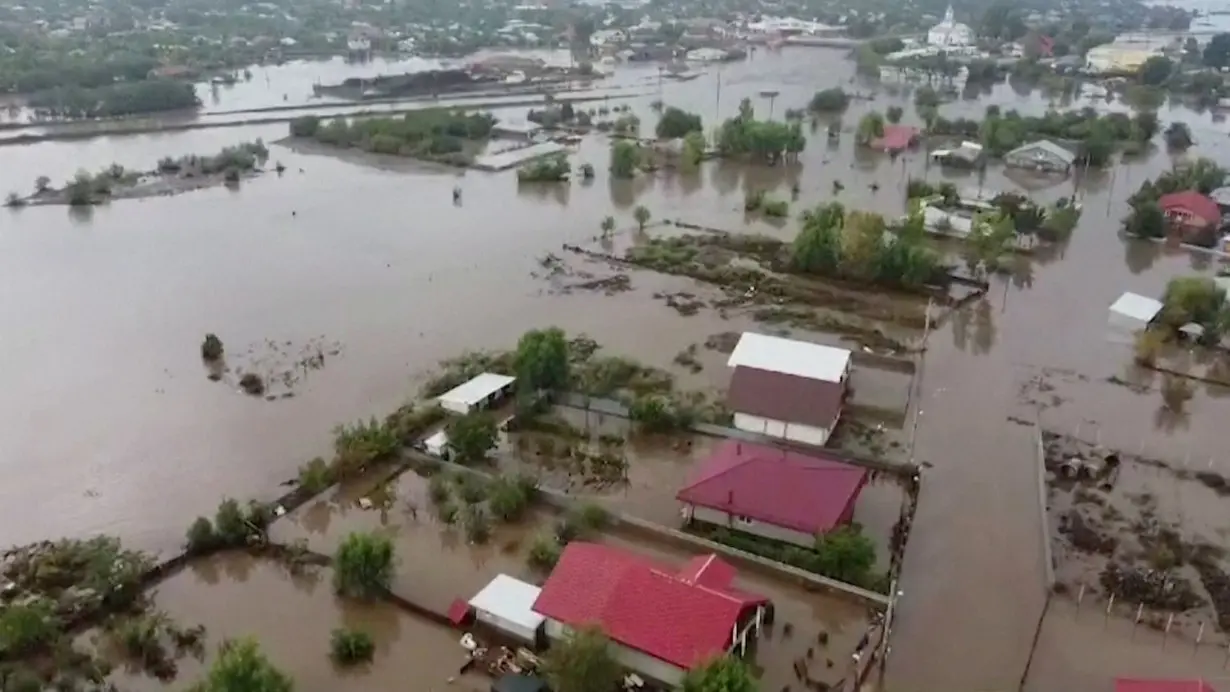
747 521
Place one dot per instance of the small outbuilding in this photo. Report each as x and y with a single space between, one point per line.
1042 155
507 605
481 392
967 155
524 130
785 388
1131 313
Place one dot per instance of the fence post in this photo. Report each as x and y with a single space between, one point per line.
1109 604
1166 632
1140 610
1080 596
1199 637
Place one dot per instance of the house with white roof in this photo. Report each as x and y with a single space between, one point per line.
794 390
1131 313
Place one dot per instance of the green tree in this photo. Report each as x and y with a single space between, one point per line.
541 360
608 226
693 149
1155 71
829 101
473 435
894 114
926 97
1192 299
241 666
676 122
641 214
1145 125
870 128
26 627
625 159
720 674
363 565
349 647
845 554
817 247
582 662
989 242
1217 52
1179 136
41 183
1146 221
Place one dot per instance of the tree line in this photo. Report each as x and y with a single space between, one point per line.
436 133
862 246
149 96
765 141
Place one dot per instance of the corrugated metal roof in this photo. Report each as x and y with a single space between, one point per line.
1045 145
477 389
789 357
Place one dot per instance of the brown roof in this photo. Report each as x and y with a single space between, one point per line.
787 398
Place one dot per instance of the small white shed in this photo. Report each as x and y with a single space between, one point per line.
480 392
507 604
437 444
1131 313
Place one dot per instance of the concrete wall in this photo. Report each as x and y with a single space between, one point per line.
506 626
636 661
757 528
795 432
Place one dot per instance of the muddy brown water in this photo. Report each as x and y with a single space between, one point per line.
237 596
110 425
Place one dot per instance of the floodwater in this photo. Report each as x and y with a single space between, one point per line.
436 566
108 423
236 596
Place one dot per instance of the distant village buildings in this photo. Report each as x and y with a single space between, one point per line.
950 33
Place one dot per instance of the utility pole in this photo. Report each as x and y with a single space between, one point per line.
772 96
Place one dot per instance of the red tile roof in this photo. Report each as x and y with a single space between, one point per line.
896 137
783 397
1131 685
805 493
1201 206
682 617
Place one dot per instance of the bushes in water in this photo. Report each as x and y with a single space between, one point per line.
363 565
350 647
232 527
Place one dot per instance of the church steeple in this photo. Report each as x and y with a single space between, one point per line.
948 18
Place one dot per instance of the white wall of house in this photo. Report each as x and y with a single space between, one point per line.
636 661
797 432
757 528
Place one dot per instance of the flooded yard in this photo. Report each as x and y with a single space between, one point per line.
237 595
382 263
437 565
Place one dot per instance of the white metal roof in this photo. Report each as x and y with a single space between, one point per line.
1137 307
790 357
437 442
509 599
477 389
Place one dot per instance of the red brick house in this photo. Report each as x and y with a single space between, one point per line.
662 621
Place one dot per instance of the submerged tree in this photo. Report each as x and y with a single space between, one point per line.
211 347
582 662
363 565
641 214
1179 136
241 666
720 674
473 435
541 360
870 127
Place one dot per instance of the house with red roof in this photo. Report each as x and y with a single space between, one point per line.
1190 209
1138 685
897 138
783 495
662 621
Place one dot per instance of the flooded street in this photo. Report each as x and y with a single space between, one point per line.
109 424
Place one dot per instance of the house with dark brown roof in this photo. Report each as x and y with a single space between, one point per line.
790 389
783 495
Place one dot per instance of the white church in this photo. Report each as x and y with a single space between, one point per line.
950 33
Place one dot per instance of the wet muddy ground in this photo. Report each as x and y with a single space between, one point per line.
110 421
1151 535
436 565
